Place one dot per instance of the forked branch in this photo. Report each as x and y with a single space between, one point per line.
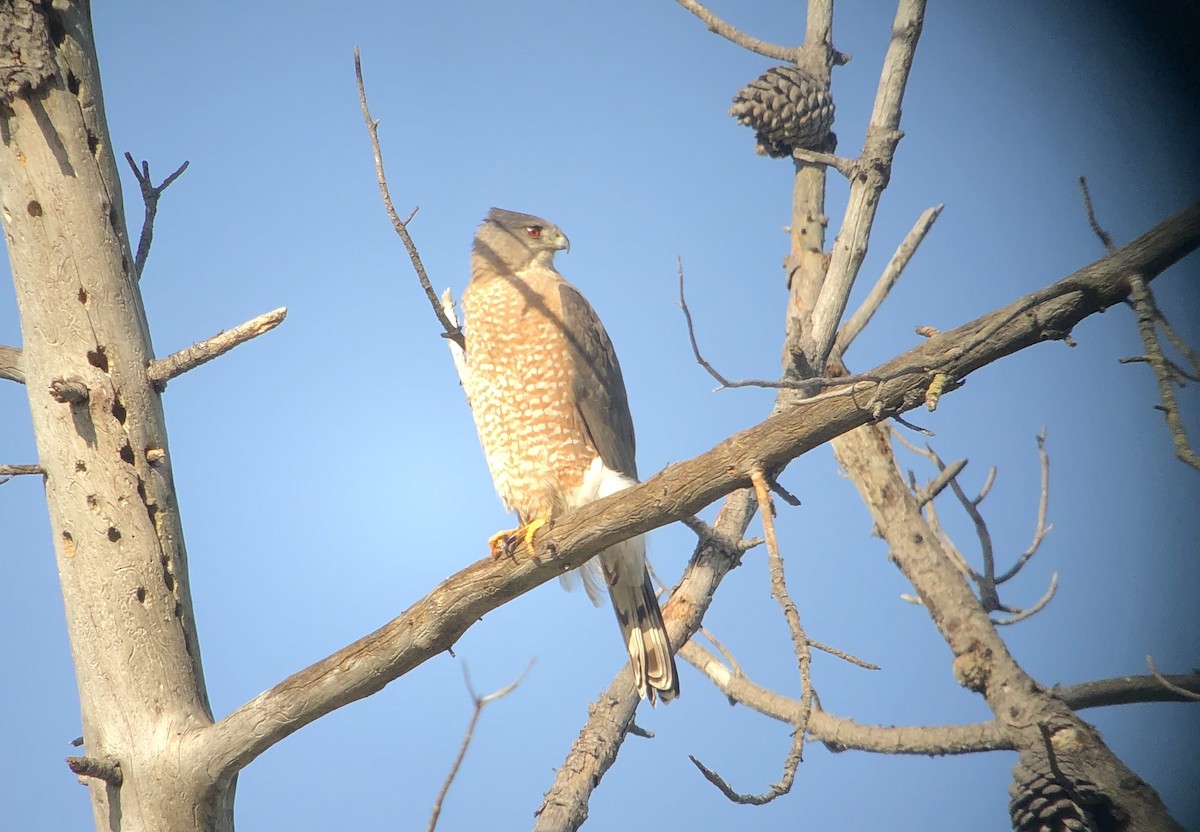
151 193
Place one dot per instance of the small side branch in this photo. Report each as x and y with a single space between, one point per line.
163 370
732 33
7 472
450 330
107 769
150 197
480 702
12 364
891 273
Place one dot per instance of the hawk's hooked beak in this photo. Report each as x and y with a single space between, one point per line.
561 243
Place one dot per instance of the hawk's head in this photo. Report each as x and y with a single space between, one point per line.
514 240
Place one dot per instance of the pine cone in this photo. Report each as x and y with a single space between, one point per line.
1041 802
787 108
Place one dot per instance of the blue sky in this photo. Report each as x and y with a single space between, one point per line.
329 474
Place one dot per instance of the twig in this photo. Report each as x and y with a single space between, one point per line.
900 420
891 273
1185 349
848 168
803 655
731 33
1147 315
782 493
401 226
1104 236
938 484
848 383
1041 529
691 328
1169 685
986 580
480 703
843 655
162 370
725 652
12 364
1021 615
150 197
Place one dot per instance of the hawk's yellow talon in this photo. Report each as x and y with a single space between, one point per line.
532 527
498 543
503 543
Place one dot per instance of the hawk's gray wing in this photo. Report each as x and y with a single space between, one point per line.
598 385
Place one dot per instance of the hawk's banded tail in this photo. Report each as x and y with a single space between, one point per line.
640 619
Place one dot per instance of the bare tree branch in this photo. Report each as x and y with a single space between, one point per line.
841 733
480 703
162 370
1041 528
10 364
19 470
800 645
1128 690
1179 690
891 273
401 226
1021 615
1146 312
865 190
731 33
150 196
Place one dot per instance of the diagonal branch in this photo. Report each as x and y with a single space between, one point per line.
891 273
162 370
434 623
401 226
731 33
480 702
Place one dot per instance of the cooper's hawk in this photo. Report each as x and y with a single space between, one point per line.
550 406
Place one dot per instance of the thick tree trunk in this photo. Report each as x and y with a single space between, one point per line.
100 433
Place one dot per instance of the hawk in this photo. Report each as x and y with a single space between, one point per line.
549 403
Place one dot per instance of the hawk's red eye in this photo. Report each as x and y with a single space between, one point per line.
534 231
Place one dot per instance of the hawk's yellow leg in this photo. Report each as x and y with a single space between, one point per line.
503 543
